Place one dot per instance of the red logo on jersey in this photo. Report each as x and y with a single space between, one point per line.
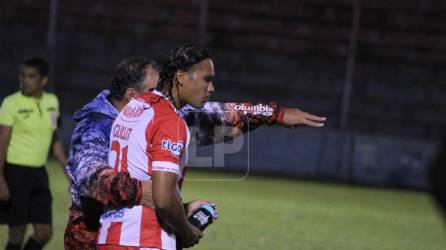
174 147
121 132
133 112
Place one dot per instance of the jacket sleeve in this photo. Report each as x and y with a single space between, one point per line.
217 122
116 189
89 170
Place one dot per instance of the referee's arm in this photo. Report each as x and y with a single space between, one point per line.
58 151
5 135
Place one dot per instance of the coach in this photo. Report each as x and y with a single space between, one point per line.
28 128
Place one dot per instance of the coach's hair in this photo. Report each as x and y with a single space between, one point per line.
183 57
38 63
130 73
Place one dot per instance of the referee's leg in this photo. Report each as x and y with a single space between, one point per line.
40 211
16 236
42 235
17 180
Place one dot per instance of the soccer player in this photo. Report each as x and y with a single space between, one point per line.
94 182
28 129
149 140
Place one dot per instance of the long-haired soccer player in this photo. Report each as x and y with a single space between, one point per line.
149 140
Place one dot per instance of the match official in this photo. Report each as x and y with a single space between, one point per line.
28 128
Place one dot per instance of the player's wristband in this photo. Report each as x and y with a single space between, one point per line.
277 117
280 114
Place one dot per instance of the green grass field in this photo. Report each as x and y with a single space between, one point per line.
269 213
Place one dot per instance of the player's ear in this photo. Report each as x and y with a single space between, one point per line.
179 78
130 93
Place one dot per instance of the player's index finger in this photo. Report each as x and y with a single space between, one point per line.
316 118
314 124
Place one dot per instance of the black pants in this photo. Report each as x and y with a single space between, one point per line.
30 197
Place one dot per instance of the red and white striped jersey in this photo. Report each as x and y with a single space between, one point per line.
148 135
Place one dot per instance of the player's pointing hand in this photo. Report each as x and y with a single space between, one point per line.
294 117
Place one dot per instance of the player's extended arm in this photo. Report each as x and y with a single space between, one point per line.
169 208
5 135
217 122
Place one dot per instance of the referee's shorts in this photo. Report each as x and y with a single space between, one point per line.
30 197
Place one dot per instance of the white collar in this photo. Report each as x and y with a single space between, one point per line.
156 92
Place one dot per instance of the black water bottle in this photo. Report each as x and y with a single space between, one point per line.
203 217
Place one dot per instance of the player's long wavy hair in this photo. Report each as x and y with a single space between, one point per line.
183 57
130 73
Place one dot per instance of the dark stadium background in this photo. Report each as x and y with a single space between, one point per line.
376 69
299 53
294 52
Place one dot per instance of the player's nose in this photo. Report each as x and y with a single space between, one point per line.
211 88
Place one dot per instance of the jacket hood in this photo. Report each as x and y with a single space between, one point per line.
99 104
